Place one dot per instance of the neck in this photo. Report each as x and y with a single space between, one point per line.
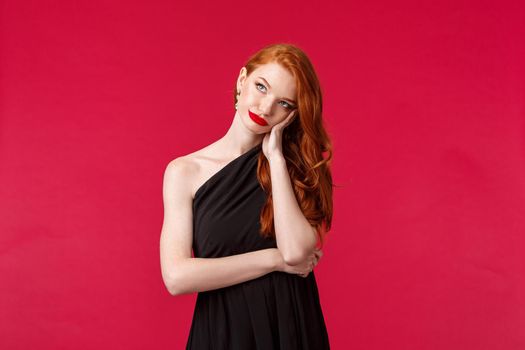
238 138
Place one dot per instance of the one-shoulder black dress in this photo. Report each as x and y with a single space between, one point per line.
274 311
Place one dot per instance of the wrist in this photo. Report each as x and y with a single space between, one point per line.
276 158
277 260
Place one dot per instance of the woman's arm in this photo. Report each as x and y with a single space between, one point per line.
296 238
202 274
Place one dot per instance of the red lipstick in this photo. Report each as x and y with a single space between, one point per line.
257 119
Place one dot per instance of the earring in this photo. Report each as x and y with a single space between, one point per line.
237 102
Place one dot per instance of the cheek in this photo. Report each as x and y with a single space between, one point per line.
282 117
249 98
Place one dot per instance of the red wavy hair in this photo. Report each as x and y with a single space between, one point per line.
304 142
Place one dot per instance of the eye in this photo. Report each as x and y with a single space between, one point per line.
288 106
259 84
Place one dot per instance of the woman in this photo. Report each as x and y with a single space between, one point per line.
253 206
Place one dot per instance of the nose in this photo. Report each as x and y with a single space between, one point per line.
266 107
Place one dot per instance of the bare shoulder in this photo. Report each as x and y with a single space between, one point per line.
188 170
179 171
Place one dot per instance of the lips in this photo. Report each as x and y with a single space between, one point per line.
257 119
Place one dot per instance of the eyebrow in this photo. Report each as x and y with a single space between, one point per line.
284 98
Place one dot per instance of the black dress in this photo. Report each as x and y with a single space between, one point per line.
275 311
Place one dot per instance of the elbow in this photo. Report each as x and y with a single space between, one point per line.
172 289
294 258
174 292
170 285
298 256
175 289
173 285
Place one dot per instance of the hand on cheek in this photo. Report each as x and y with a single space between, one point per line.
272 142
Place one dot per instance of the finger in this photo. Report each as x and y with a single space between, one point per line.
290 118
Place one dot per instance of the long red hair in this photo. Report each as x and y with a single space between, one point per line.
304 142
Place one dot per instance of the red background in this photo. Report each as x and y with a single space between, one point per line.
426 105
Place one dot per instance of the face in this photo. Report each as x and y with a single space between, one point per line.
267 96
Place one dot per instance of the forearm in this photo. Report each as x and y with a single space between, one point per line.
202 274
294 235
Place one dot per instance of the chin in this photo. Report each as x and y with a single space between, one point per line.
254 127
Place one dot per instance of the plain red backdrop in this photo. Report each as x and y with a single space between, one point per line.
426 105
